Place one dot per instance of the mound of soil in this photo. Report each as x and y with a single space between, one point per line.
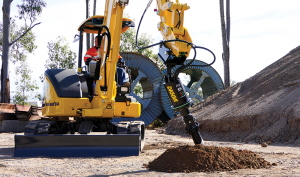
265 107
200 158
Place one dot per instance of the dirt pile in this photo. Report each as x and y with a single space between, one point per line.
265 107
206 159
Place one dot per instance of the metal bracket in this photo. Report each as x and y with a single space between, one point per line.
85 127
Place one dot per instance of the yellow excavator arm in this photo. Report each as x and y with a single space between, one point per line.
171 26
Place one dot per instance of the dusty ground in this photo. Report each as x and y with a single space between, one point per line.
286 157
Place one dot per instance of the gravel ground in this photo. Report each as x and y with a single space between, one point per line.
286 157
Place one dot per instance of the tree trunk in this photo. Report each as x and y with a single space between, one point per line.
228 21
88 40
94 13
225 41
5 91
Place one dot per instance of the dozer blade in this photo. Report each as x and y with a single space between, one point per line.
76 145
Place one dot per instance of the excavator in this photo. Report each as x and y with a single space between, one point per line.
79 116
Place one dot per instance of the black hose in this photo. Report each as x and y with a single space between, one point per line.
181 68
107 55
109 41
210 52
178 24
137 32
107 33
97 70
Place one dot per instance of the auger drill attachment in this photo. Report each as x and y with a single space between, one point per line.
181 101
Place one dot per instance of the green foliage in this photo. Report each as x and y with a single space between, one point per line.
199 92
232 83
138 90
23 46
39 96
30 9
128 39
156 124
60 55
21 39
25 86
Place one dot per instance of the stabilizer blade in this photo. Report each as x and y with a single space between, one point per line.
76 145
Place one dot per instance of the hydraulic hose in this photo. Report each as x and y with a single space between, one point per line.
107 33
107 56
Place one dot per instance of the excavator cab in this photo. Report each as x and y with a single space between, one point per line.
94 25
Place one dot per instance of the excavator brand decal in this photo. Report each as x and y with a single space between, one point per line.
174 98
52 104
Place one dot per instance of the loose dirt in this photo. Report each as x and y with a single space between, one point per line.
201 158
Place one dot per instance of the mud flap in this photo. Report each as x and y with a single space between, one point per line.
76 145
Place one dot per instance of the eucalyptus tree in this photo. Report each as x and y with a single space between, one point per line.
225 27
25 87
29 10
60 56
